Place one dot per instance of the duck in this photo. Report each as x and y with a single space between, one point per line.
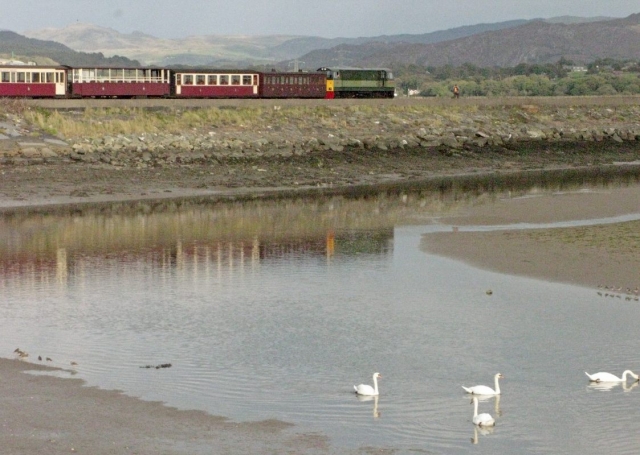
365 389
483 389
608 377
484 419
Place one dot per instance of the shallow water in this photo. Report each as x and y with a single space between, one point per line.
276 309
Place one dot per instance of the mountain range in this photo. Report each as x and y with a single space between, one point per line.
499 44
533 42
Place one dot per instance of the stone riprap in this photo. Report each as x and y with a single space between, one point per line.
377 129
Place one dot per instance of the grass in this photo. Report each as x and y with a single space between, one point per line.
99 122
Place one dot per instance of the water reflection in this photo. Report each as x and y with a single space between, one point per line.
484 431
608 386
373 398
489 398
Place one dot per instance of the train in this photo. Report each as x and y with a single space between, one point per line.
33 81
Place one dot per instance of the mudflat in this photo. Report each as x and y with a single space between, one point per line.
602 256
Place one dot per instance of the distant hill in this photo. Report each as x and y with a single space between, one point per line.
193 50
533 42
12 43
239 50
300 46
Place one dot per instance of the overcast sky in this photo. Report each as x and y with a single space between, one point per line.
326 18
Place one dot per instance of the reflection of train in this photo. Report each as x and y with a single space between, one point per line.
26 81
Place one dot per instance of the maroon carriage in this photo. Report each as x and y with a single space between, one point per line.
293 85
29 81
119 82
192 83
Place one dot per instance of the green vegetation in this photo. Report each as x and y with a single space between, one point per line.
601 77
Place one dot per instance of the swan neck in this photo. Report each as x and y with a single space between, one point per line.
628 372
497 384
375 384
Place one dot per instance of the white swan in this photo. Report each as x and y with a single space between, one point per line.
364 389
483 389
608 377
484 419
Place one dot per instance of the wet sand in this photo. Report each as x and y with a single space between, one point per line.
42 415
601 256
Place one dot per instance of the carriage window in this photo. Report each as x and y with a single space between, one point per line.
49 77
187 79
246 80
5 76
213 79
255 79
200 79
224 80
235 79
103 74
21 77
35 77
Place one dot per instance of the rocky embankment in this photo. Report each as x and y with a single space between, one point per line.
294 132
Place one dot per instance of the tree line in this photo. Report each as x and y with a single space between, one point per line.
563 78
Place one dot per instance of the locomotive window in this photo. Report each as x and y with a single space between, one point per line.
224 79
235 79
5 76
200 79
187 79
213 79
21 77
246 80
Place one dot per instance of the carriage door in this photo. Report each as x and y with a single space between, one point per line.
61 88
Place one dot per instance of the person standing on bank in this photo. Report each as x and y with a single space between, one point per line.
456 92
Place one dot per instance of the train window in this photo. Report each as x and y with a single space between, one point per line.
5 76
103 75
130 75
21 77
235 79
213 79
224 79
200 79
35 77
187 79
246 79
255 79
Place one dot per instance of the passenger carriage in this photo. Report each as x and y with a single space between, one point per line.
193 83
293 85
102 82
27 81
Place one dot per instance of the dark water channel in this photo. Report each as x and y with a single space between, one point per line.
274 309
